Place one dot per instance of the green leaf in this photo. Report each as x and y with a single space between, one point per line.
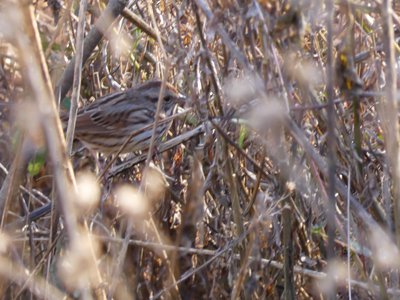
66 103
191 119
317 229
56 47
37 163
242 135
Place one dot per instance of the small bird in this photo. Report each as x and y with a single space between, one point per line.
105 124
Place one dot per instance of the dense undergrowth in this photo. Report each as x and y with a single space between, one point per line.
282 177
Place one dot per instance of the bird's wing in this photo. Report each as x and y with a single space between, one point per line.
110 116
103 115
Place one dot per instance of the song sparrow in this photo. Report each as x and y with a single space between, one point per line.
105 124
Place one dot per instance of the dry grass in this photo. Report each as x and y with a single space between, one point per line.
288 187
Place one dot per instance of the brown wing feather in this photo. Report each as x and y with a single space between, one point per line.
103 115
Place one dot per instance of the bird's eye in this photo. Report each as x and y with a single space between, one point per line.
167 98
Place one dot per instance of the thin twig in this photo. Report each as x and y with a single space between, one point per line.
76 87
331 124
112 11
